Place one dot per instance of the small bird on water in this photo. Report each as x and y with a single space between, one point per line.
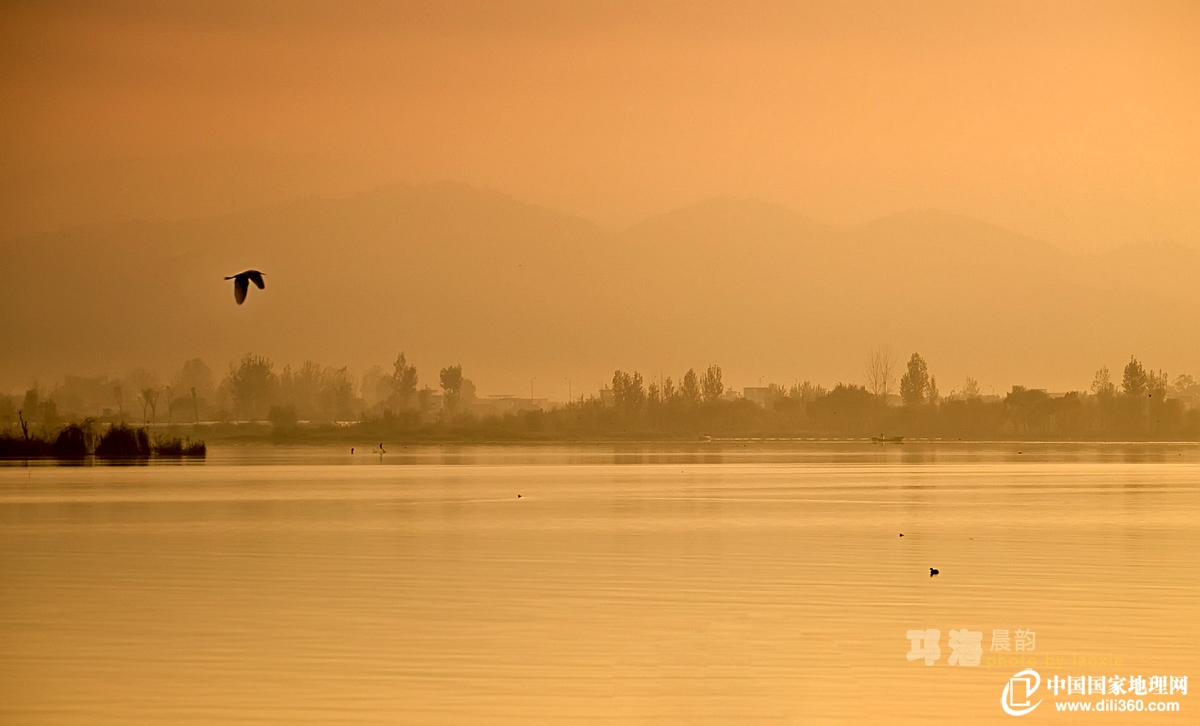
241 284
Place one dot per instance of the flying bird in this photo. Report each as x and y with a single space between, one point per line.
241 283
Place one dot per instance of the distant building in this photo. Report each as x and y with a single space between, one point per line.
606 397
764 396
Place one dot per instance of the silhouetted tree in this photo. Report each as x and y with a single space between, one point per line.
806 391
137 381
319 392
301 387
193 382
689 389
1156 384
654 394
336 397
880 371
451 379
932 395
845 409
914 384
376 387
1028 411
1102 384
628 393
253 385
404 384
1135 382
195 374
711 386
150 398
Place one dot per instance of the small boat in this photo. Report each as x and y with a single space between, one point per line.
887 439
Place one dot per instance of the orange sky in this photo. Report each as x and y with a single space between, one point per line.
1076 122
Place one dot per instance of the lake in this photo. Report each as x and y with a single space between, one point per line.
703 584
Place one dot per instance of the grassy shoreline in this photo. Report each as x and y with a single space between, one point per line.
365 434
84 440
81 440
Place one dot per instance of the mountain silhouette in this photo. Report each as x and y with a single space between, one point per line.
449 272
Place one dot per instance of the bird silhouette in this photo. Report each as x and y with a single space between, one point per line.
241 283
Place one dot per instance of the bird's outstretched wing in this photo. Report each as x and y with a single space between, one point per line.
240 286
256 277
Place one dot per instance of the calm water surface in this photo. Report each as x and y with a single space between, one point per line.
690 585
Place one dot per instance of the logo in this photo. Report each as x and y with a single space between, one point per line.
1018 691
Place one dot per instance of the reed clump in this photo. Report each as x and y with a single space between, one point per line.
123 442
178 448
78 441
74 441
23 447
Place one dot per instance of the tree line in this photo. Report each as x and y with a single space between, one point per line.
891 400
253 389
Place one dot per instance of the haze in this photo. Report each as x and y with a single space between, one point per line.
1071 128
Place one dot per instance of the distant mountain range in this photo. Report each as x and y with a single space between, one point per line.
513 291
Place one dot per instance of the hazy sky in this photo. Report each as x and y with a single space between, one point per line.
1075 122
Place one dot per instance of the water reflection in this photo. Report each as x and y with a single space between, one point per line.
699 583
